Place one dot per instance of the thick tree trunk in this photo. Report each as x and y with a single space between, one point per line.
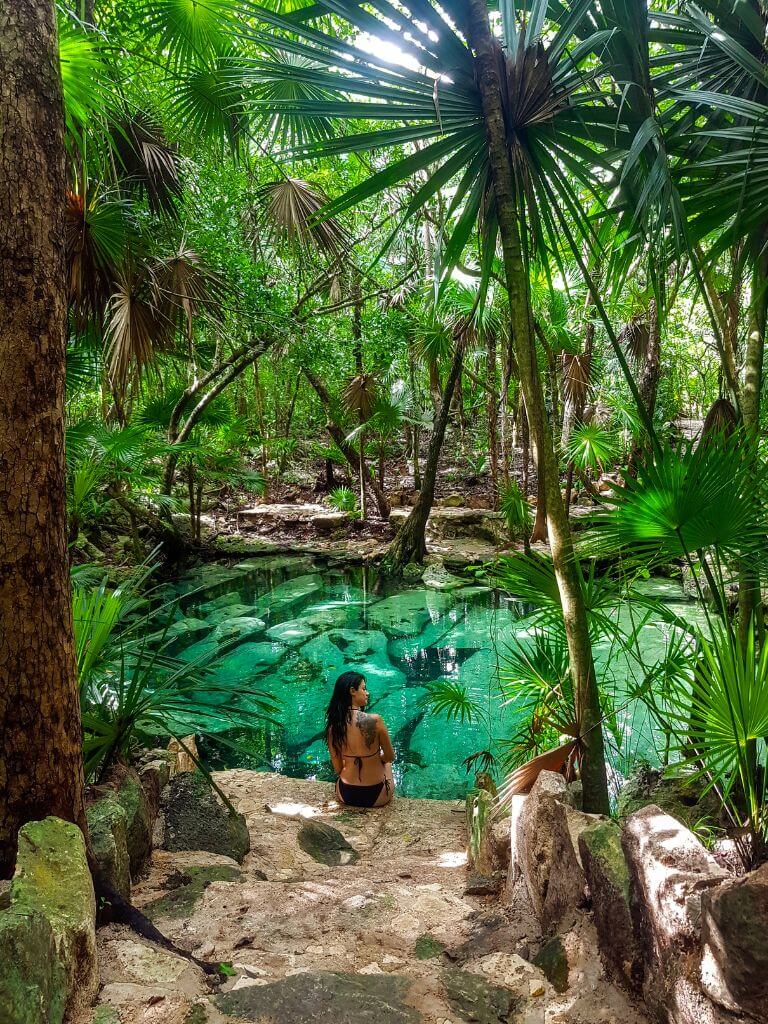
489 58
41 766
409 544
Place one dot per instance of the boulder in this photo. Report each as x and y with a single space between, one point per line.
476 999
108 828
48 934
438 578
677 795
194 817
552 959
670 871
326 844
326 522
734 970
154 776
238 627
607 874
132 797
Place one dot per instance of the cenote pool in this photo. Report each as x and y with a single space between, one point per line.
289 626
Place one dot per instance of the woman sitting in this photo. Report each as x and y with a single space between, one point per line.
359 745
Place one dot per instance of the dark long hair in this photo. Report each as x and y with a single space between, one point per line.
340 708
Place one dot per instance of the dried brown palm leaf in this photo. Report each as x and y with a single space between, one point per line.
290 209
186 287
635 337
561 759
150 164
360 395
137 329
720 421
90 270
576 376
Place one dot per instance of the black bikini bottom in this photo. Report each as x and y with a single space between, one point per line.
360 796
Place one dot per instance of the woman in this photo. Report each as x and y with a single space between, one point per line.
359 745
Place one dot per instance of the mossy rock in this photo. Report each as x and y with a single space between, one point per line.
108 828
195 818
33 982
132 797
52 883
105 1015
476 999
326 844
427 947
553 961
676 795
185 889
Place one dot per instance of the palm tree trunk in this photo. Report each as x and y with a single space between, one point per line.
41 764
492 412
749 579
409 544
567 569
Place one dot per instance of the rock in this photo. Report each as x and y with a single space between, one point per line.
185 888
154 776
500 840
132 797
609 884
451 501
566 886
678 796
479 810
48 934
553 961
193 817
326 522
325 844
108 828
670 871
240 626
324 997
427 947
183 756
483 885
476 999
438 578
734 968
413 571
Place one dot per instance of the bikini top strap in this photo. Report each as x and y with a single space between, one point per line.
359 758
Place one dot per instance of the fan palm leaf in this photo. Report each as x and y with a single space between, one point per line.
290 208
137 328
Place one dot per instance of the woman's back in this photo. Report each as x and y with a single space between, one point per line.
359 744
363 764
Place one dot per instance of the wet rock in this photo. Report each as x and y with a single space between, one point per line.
194 817
681 797
670 871
132 797
324 997
325 844
734 966
238 627
234 611
108 828
438 578
609 884
476 999
553 961
48 934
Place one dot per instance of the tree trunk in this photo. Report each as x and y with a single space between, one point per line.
409 544
489 57
339 439
493 413
749 578
41 765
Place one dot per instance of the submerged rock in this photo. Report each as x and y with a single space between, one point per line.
438 578
193 817
239 626
326 844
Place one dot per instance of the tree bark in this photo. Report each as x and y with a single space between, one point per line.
492 412
489 58
41 766
409 544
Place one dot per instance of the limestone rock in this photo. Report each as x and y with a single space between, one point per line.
193 817
566 887
609 884
325 844
326 522
501 841
131 796
33 982
324 997
239 626
108 828
735 934
476 999
186 886
670 871
154 777
479 809
553 961
678 796
438 578
53 893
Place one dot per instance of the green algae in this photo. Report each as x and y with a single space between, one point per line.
186 889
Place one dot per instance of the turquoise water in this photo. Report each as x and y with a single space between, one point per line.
291 626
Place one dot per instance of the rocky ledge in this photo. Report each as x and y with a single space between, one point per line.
339 915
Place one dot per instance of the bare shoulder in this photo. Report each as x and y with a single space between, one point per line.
368 724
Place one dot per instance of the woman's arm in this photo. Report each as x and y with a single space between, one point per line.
336 759
387 750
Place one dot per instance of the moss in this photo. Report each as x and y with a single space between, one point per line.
603 841
132 798
186 890
108 827
196 1015
105 1015
427 947
553 961
33 986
